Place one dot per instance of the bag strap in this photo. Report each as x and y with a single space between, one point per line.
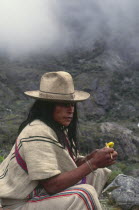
69 149
19 159
83 181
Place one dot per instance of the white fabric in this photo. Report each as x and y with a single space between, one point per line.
39 147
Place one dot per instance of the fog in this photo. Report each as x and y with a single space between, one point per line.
30 26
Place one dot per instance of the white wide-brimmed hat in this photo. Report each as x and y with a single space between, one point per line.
58 86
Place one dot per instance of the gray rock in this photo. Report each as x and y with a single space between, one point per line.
124 191
102 96
95 135
125 142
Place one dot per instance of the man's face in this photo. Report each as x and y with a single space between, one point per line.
63 113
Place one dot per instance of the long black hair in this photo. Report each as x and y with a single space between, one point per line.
43 110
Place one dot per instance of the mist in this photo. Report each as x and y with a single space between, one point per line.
36 26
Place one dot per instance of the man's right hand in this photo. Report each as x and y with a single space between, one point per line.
101 158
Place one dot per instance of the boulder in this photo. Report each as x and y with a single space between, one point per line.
125 142
95 135
124 192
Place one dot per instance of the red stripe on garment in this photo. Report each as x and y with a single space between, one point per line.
61 196
19 159
85 193
56 196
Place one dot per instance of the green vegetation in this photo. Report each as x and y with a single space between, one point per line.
1 158
122 167
118 168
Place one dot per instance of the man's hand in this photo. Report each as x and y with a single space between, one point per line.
101 158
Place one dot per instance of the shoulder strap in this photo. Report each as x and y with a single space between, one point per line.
19 159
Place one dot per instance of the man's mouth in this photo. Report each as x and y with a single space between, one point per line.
68 118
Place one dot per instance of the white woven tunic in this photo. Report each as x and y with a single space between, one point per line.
44 156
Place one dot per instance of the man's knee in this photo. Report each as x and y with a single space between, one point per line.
85 190
88 195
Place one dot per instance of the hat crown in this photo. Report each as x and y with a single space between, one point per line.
57 83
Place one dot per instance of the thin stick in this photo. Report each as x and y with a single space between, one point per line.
110 153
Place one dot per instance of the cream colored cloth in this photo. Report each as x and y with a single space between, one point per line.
78 197
39 147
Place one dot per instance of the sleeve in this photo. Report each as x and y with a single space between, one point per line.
42 154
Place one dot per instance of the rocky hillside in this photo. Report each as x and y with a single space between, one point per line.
111 113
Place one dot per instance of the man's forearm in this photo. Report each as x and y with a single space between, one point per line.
65 180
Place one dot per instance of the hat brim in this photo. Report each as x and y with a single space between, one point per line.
77 96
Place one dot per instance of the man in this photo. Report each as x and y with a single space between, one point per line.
43 169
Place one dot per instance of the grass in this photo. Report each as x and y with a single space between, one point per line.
1 159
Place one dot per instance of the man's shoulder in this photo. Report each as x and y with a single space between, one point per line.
38 128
